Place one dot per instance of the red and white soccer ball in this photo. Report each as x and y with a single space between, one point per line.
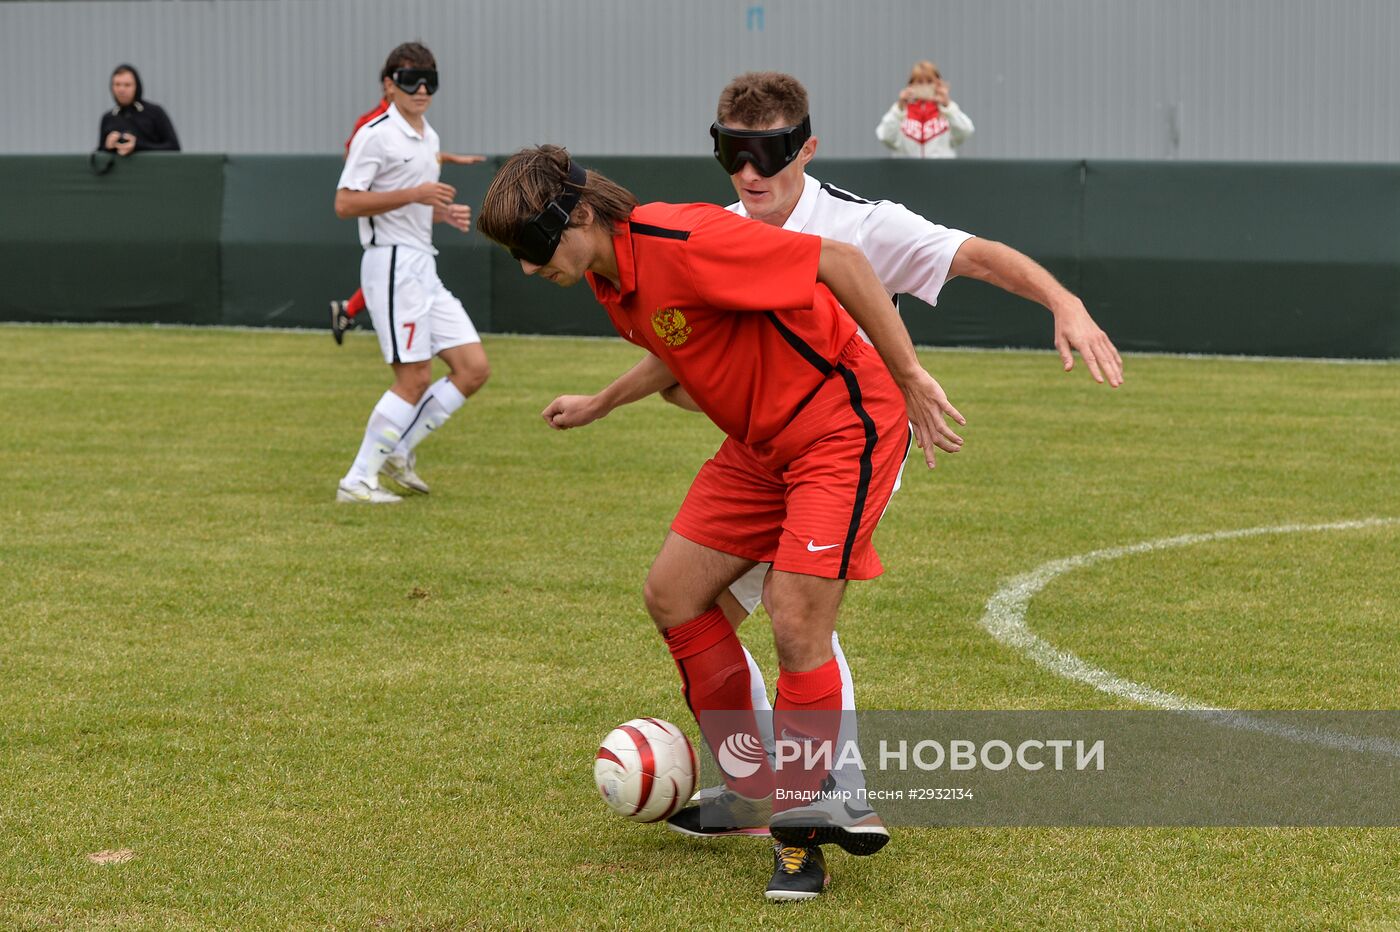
645 770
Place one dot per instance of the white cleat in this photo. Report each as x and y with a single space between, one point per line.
360 492
401 470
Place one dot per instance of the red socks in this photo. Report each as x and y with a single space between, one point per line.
356 304
808 708
715 678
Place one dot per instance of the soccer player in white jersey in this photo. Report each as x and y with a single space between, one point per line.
390 182
911 255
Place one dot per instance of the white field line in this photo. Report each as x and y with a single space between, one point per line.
1005 620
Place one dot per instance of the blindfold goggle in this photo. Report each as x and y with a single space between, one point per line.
540 236
409 80
769 151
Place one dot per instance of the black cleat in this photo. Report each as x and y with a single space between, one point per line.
725 813
857 831
798 874
340 321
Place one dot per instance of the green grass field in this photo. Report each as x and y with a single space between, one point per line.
300 715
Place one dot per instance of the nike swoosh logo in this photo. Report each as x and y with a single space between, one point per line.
858 813
812 546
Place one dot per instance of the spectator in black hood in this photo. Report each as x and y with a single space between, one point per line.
134 123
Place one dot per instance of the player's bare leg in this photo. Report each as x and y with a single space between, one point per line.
686 579
803 609
468 370
467 367
732 609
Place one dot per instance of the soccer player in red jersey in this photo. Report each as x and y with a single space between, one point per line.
759 326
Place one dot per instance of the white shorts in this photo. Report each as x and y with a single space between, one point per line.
748 589
414 316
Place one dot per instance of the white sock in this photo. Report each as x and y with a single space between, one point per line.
850 777
439 403
763 709
387 422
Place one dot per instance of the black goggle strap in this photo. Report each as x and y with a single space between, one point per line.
729 143
568 199
544 230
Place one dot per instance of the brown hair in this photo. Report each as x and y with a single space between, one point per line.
761 97
408 55
532 178
924 72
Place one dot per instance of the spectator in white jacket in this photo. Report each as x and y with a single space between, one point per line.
924 123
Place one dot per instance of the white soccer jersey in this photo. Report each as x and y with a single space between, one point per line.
910 255
389 155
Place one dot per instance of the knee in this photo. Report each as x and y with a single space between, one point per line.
665 608
469 379
655 598
801 632
801 647
413 385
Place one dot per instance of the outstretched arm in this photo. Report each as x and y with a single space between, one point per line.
645 378
1075 331
845 270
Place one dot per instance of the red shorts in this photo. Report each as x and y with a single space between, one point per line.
808 500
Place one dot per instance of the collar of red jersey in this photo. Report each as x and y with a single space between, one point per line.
626 266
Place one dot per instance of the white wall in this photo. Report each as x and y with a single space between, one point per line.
1135 79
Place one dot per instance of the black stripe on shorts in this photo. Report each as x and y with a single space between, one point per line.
393 330
867 465
867 453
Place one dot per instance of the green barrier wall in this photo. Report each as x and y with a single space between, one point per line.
1240 258
1038 207
286 254
1262 259
139 244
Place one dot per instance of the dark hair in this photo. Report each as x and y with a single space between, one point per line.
761 97
408 55
532 178
131 70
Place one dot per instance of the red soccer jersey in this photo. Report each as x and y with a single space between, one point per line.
381 108
732 306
